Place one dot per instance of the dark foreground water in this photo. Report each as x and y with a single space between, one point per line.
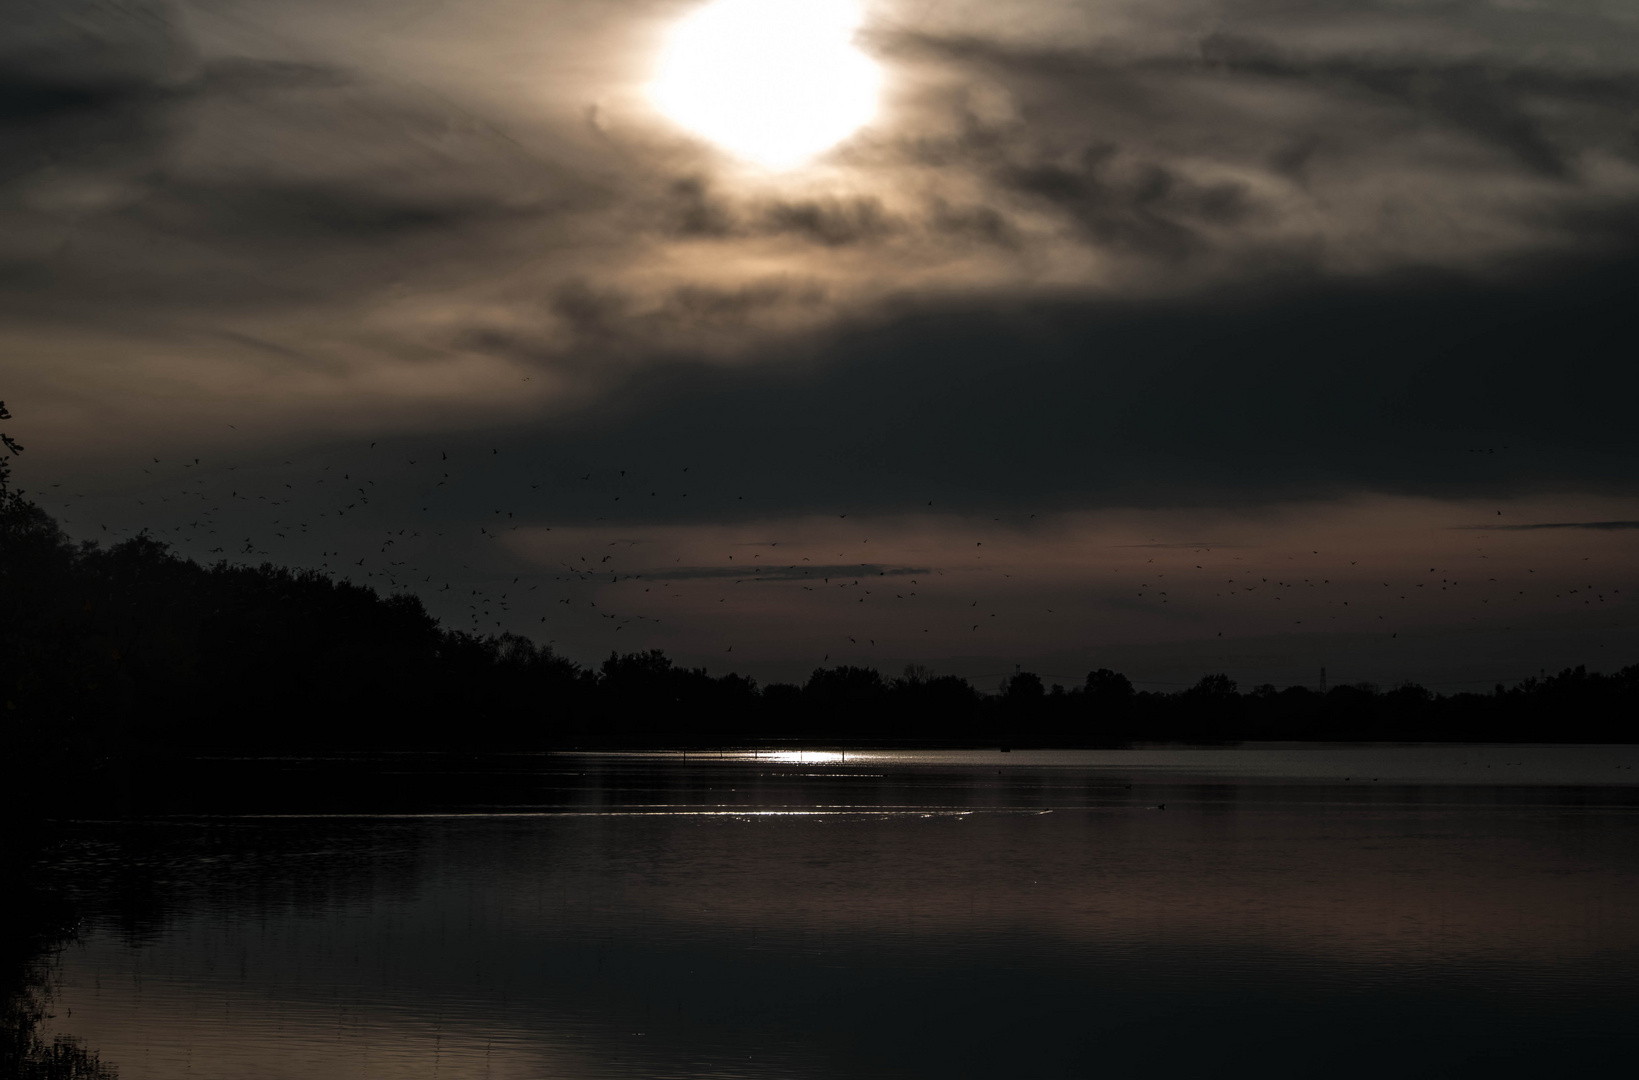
1301 912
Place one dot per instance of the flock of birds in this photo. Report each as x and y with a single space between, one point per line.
444 526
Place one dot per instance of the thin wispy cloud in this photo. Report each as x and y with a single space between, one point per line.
781 573
1599 526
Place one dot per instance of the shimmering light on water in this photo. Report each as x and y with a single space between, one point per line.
1437 912
797 757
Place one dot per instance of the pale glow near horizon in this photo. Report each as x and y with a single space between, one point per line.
774 82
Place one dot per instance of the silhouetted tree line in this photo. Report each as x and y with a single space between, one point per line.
106 651
858 703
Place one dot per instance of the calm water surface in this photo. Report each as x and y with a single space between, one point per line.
1327 912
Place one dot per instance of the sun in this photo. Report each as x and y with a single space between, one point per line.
774 82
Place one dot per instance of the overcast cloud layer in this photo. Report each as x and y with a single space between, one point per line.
1092 258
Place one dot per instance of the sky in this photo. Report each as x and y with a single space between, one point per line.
1171 336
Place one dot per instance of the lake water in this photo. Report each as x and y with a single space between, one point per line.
1304 912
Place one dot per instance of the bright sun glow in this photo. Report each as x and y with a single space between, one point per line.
771 81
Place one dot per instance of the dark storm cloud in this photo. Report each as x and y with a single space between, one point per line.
1241 397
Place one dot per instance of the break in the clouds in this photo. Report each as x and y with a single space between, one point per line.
1086 257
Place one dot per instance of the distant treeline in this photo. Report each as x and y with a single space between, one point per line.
107 651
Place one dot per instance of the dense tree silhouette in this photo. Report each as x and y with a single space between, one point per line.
935 708
1024 688
107 654
131 646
